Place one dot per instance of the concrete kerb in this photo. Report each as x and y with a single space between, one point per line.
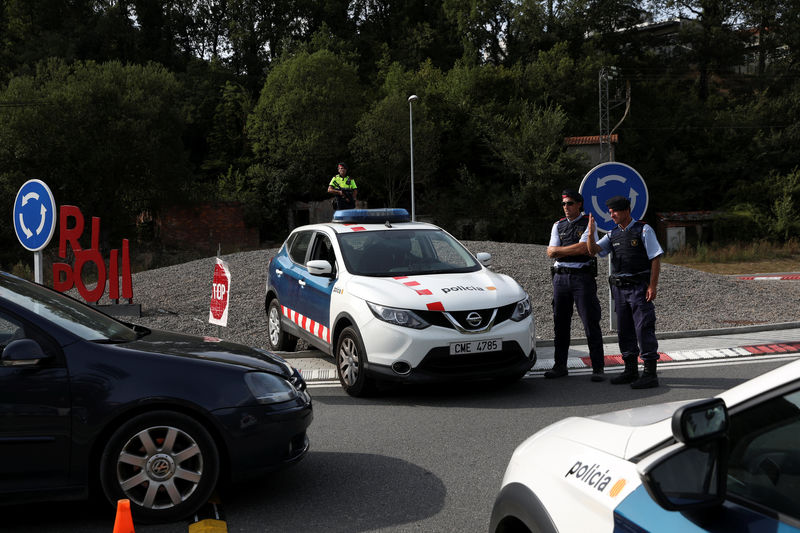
315 366
665 335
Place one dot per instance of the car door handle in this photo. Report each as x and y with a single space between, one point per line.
301 283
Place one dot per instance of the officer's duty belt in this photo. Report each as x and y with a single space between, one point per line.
568 270
628 281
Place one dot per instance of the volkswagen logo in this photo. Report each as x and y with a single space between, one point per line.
474 319
160 467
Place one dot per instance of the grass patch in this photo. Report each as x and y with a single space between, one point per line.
740 258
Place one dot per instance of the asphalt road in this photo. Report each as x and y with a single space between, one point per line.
415 459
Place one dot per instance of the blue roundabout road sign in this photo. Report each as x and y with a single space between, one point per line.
34 215
613 179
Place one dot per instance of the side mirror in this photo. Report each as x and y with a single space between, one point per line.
23 352
484 258
701 421
318 267
691 474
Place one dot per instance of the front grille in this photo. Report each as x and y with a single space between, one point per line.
438 318
439 360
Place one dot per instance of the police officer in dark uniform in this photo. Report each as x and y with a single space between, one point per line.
636 264
574 284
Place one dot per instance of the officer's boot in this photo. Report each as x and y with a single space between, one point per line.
630 374
558 371
649 378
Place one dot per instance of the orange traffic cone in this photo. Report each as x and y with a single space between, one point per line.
124 521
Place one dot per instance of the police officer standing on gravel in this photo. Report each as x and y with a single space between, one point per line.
344 188
636 264
574 283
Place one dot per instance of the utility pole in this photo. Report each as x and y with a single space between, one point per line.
607 103
606 152
602 89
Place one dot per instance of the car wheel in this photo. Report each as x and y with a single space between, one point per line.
350 358
279 340
165 463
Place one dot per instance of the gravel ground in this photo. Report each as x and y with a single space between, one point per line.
177 297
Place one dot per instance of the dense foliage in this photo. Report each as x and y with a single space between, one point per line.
128 106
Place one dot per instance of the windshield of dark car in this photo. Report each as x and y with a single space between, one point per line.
63 311
405 252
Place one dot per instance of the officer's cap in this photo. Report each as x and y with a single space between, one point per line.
342 164
618 203
572 193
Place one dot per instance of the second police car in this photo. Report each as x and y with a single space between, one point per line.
392 299
729 464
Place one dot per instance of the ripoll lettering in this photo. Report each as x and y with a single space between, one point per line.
461 288
591 475
65 276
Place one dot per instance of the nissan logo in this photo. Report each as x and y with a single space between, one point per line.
474 319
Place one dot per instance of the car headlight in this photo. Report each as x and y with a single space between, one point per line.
268 388
398 317
522 309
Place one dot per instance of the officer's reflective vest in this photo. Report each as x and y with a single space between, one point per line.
344 183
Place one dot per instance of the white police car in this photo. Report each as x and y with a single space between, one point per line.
397 300
731 463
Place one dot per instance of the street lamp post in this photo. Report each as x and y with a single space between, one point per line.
411 99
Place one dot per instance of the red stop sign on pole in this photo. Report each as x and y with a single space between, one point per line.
220 289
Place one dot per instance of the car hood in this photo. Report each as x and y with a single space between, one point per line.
623 434
210 349
483 289
630 432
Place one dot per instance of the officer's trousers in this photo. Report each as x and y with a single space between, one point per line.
578 289
636 322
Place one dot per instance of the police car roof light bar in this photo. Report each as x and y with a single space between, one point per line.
374 216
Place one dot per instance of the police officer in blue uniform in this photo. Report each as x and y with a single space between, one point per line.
574 284
636 264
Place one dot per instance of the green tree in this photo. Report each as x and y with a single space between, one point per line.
483 26
381 148
786 206
303 121
33 30
712 43
104 137
229 148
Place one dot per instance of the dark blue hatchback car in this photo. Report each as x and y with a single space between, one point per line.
159 418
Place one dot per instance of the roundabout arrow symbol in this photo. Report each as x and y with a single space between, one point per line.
602 213
633 194
613 177
43 213
28 196
28 233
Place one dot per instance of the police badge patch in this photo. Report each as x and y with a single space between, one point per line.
634 242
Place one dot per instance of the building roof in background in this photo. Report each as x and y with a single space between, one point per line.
590 139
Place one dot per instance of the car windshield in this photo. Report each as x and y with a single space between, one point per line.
70 314
404 252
